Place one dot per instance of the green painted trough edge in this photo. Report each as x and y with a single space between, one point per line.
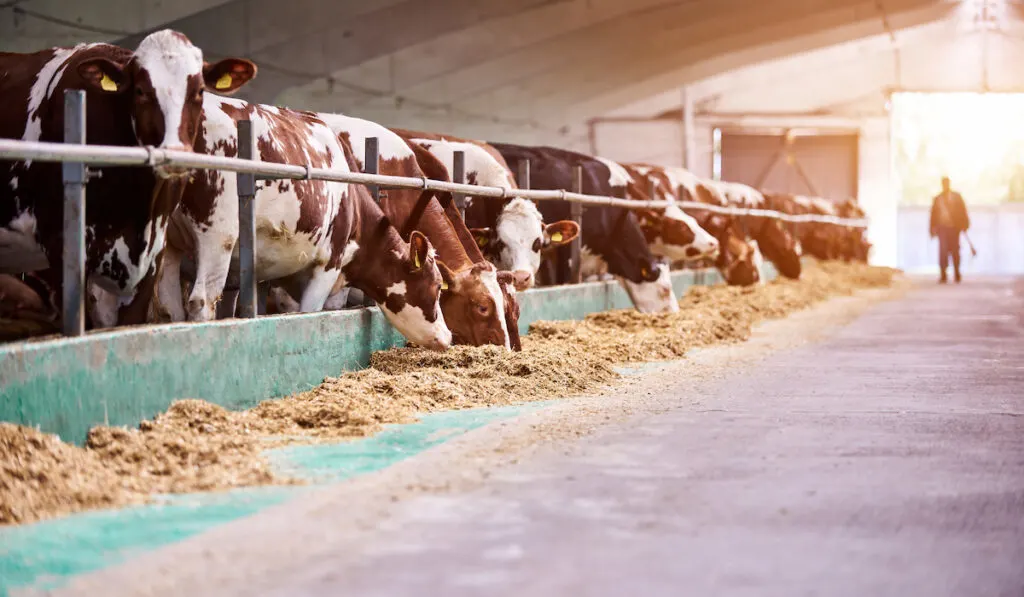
121 377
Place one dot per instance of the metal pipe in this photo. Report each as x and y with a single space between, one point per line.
576 213
246 226
371 165
141 156
459 177
73 291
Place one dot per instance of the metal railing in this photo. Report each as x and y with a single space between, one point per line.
76 156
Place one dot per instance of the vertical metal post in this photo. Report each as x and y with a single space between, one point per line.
576 213
459 176
698 272
371 165
73 316
246 225
523 179
687 126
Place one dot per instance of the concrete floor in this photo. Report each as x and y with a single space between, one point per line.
884 459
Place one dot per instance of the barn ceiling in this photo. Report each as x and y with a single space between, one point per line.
542 68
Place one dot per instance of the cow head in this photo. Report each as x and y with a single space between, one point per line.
406 284
738 261
653 297
166 79
476 305
519 238
677 235
619 241
780 247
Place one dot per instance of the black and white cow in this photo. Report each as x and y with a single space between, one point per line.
612 241
151 96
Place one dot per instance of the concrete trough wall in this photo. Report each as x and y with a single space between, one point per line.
121 377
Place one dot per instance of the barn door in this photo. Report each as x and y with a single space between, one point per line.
818 165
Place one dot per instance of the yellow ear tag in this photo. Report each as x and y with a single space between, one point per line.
481 241
444 285
556 237
224 81
107 84
416 260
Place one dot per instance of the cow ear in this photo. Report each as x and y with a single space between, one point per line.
104 75
419 250
505 278
228 75
560 233
448 282
482 236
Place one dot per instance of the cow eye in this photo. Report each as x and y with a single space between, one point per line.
199 96
537 246
483 309
139 92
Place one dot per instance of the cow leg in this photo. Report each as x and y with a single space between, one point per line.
319 287
213 260
338 300
227 306
101 306
168 304
262 294
135 309
279 301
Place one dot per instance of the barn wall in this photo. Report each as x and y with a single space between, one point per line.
653 141
829 162
876 193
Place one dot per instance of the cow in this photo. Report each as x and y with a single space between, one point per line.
312 236
478 303
738 261
855 246
151 96
612 241
510 231
817 239
671 233
773 241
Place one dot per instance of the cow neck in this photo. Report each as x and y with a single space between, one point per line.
377 239
435 225
435 215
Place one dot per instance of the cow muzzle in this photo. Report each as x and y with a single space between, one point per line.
522 280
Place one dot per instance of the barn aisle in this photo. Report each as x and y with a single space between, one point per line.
886 458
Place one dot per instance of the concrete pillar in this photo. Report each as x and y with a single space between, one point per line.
878 192
687 124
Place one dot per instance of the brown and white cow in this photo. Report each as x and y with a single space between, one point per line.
153 97
818 239
773 240
855 245
314 236
738 261
510 232
478 304
671 233
612 240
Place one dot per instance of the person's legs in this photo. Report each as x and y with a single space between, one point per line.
943 254
954 248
